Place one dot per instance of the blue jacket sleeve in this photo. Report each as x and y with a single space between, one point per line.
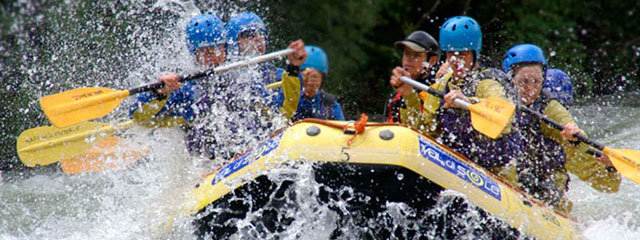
178 106
337 112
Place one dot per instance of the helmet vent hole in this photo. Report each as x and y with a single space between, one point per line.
472 23
453 28
466 26
513 55
195 24
208 23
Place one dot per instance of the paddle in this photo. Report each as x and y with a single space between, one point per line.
109 153
490 116
82 104
626 161
46 145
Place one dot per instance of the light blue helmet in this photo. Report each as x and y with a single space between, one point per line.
461 33
523 53
317 59
204 30
242 22
559 83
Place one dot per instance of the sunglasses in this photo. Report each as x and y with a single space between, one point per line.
250 34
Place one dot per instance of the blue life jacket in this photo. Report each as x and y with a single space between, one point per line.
321 106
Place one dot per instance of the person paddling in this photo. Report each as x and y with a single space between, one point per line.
248 36
547 153
315 102
461 40
420 55
186 105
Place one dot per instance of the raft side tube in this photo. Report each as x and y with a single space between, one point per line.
385 146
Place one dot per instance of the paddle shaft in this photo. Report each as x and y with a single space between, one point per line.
434 92
220 69
465 104
556 125
75 137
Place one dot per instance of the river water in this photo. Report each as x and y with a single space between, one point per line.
613 121
141 202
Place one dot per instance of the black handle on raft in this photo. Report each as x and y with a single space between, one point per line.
556 125
158 85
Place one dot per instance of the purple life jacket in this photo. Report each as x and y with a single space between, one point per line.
458 133
547 154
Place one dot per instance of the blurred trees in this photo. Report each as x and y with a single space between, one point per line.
597 42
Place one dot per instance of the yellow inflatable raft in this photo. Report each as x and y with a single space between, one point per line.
386 163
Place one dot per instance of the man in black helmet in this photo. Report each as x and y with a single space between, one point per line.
420 54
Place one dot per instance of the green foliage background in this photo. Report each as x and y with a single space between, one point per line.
597 42
50 46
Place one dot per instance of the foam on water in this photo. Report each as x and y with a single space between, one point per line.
133 203
609 215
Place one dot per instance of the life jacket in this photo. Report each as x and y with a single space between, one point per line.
543 154
319 106
232 107
392 110
395 102
459 134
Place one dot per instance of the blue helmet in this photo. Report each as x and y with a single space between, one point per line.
523 53
317 59
204 30
559 83
459 34
242 22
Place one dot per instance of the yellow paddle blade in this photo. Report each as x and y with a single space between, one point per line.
80 104
626 161
110 153
45 145
491 116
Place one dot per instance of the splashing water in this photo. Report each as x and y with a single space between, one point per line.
304 208
609 216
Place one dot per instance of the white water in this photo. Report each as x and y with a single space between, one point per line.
615 215
132 203
139 202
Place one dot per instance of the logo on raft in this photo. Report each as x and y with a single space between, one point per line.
452 164
249 157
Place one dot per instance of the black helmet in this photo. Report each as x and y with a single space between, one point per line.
420 41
